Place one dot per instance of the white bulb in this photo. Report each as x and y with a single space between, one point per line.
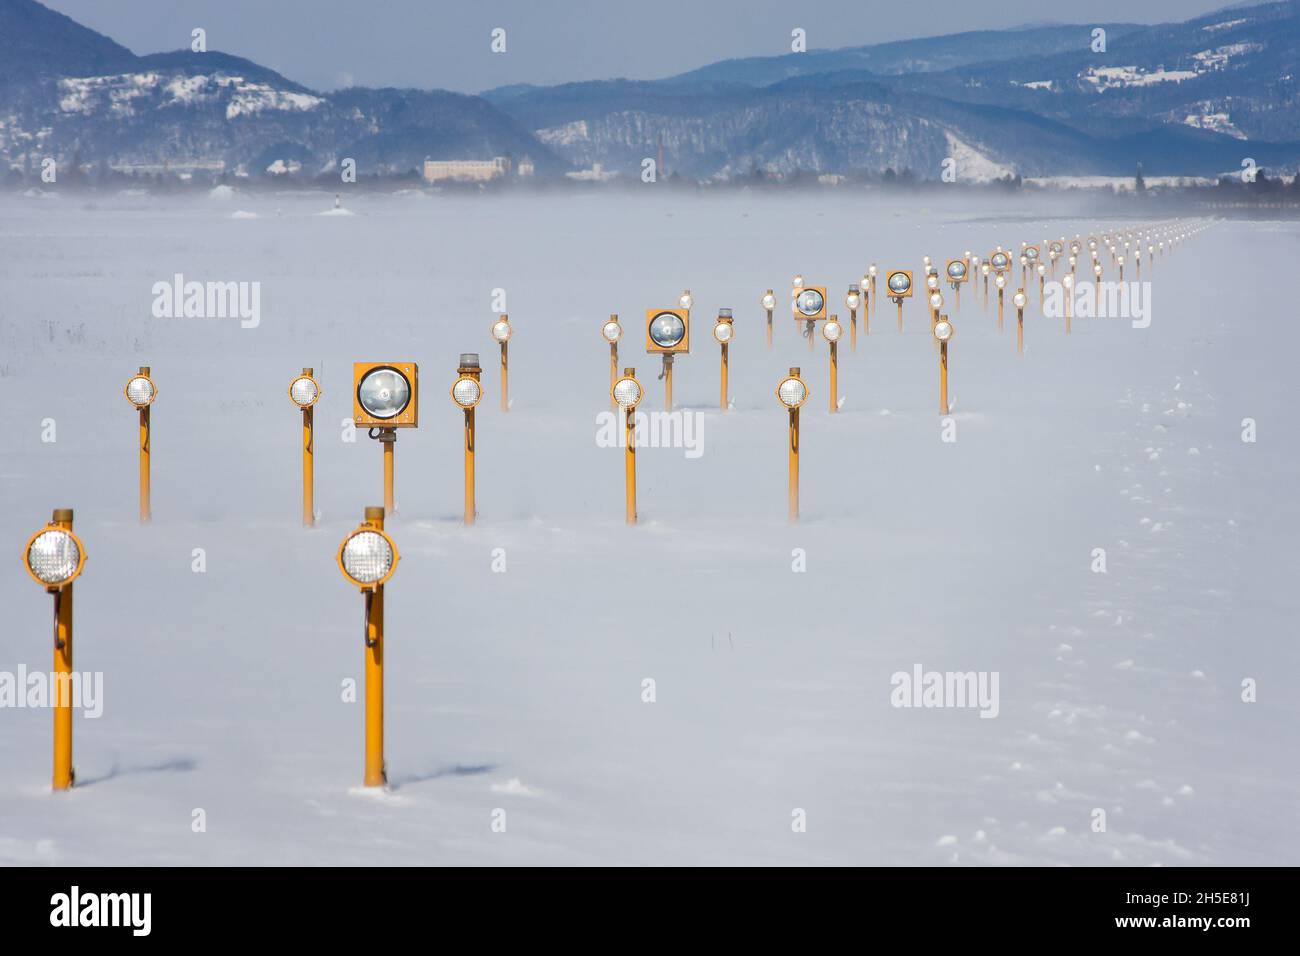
384 393
769 301
501 331
612 331
1018 300
943 331
686 300
722 331
936 301
832 331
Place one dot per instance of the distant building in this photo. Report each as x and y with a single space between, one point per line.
596 174
466 170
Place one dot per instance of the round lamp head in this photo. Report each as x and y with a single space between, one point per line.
501 330
932 282
627 392
853 298
792 392
140 391
384 392
667 330
809 302
871 270
1042 269
943 330
936 300
1019 299
367 557
957 270
768 301
1000 261
466 392
722 329
1000 281
54 557
899 283
611 331
832 330
685 300
304 391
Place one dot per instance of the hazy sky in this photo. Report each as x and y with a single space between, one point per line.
435 43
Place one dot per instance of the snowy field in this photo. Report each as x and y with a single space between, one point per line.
522 691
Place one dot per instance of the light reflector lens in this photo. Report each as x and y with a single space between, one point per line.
367 557
466 392
809 302
612 331
792 392
943 331
54 557
667 329
627 392
304 392
501 331
139 391
899 282
384 393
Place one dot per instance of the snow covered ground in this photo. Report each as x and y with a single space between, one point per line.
522 691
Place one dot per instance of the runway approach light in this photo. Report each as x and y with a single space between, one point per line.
304 391
627 394
792 392
385 397
140 392
668 333
466 393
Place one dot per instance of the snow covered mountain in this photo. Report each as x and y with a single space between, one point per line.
1182 99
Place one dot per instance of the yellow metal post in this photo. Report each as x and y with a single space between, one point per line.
308 465
866 313
469 466
629 455
62 690
724 376
145 510
1020 331
613 365
835 369
794 464
812 334
899 303
376 775
505 379
1000 291
853 329
388 438
943 378
668 381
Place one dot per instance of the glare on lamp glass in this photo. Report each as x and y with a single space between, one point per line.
1019 300
384 392
54 557
900 282
832 330
612 331
304 391
1000 281
686 300
367 557
809 302
853 298
936 300
792 392
722 331
627 393
943 330
667 329
140 391
768 301
956 269
501 331
466 392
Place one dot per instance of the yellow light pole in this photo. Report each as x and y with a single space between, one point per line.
832 331
984 271
501 332
936 303
792 392
385 397
54 557
768 302
1001 283
943 333
466 393
1042 279
899 284
867 288
809 307
722 333
304 392
853 299
1068 282
611 332
668 333
627 394
141 392
1019 300
367 557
